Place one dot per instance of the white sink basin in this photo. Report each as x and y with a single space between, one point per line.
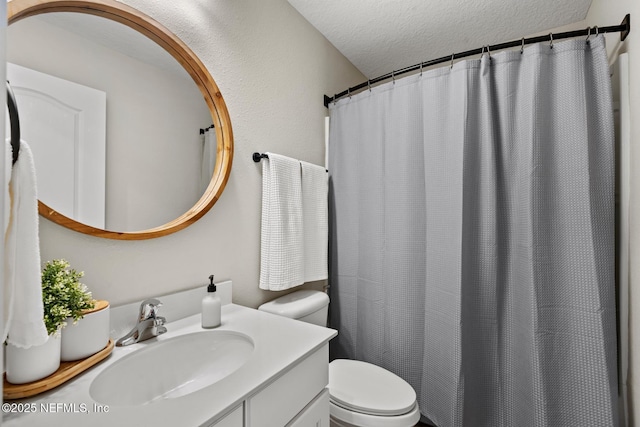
171 368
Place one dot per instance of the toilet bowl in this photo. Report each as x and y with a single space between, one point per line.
360 394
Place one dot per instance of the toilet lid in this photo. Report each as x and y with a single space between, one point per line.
369 389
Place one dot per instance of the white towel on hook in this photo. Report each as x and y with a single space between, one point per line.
7 281
209 153
7 179
315 211
282 244
23 307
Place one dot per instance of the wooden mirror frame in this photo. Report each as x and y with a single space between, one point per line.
115 11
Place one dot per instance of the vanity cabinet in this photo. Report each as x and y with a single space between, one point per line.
290 398
296 398
234 419
316 414
282 384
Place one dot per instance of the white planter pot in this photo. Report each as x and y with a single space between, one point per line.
24 365
88 336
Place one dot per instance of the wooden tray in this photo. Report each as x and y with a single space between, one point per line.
65 372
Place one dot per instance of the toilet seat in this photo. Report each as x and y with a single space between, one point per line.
361 393
342 417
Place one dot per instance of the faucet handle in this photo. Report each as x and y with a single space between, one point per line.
148 308
160 328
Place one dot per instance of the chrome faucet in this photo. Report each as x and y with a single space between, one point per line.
149 324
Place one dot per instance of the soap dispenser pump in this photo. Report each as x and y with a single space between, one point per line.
211 307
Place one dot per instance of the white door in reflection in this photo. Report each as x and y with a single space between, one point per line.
64 123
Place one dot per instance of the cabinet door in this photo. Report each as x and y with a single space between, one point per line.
316 414
234 419
280 402
69 146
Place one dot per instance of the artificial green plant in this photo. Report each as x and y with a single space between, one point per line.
63 295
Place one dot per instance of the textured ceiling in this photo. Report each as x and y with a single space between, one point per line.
379 36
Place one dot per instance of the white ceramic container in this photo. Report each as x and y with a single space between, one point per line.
88 336
24 365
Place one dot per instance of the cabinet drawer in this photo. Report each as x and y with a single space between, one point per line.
279 402
316 414
233 419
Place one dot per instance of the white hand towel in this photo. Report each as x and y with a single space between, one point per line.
23 315
281 245
8 152
315 211
209 152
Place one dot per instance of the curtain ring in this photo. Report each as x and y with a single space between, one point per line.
588 35
335 99
488 51
421 69
349 92
522 47
369 84
452 55
550 40
596 27
482 52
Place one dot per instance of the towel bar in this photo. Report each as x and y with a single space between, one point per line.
259 156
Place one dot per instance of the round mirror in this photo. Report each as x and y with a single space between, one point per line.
126 146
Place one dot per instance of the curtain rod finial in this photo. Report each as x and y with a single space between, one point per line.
259 156
327 101
627 23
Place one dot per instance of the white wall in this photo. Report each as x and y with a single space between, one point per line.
272 68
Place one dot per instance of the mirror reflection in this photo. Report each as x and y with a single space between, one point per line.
113 120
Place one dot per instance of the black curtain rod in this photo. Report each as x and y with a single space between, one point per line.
624 28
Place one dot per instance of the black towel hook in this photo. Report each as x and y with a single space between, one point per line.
15 124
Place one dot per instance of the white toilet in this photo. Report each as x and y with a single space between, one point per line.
360 394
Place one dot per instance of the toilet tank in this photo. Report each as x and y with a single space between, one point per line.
306 305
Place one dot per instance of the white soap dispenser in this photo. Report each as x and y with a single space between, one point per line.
211 307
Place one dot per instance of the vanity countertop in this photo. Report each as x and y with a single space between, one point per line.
278 344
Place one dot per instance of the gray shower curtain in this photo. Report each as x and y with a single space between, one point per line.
472 237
